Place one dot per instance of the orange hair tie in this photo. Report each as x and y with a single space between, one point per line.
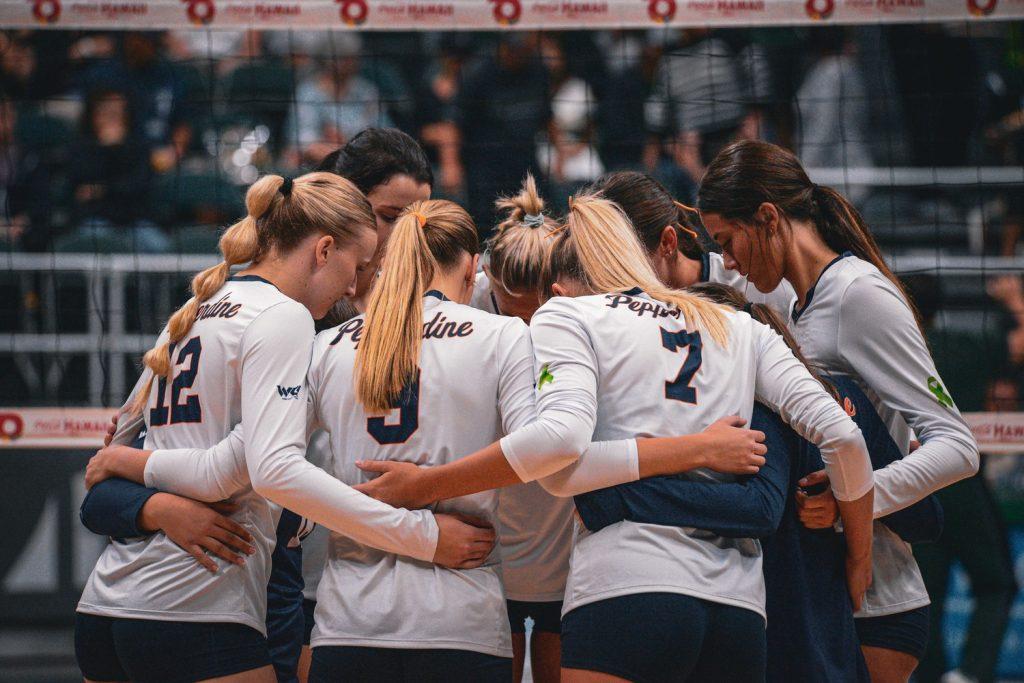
420 219
684 207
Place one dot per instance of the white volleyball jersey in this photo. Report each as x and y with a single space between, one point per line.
855 322
535 526
475 383
151 577
713 270
627 366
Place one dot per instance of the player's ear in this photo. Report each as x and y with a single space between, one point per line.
323 248
668 245
559 290
769 218
474 264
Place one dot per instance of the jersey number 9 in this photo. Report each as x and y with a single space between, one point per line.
408 405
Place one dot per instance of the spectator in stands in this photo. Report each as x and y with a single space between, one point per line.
567 156
333 104
110 177
437 108
161 116
623 87
832 107
25 192
699 95
974 532
503 104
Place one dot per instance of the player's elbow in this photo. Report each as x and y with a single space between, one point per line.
557 485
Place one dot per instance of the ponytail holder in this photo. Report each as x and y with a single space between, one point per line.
689 231
286 187
684 207
533 220
421 220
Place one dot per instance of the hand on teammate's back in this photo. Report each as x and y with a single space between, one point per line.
199 528
463 542
732 449
398 485
111 429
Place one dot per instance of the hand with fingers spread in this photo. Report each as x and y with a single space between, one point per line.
463 542
199 528
733 449
815 504
400 484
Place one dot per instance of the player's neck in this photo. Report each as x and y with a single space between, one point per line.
806 259
684 272
452 285
283 275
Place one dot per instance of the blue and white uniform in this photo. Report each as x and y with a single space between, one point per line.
712 269
854 322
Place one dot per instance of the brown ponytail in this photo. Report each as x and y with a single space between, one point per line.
749 173
517 250
429 237
280 214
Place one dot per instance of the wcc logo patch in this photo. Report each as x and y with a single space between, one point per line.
289 393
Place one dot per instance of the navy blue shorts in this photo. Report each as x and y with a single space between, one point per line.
905 632
308 608
547 616
665 638
149 651
394 665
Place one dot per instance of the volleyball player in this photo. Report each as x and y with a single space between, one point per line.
676 253
852 318
611 364
810 634
535 527
304 240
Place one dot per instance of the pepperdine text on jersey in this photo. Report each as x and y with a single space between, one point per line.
221 308
438 327
641 306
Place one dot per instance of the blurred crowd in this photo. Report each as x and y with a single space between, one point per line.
142 141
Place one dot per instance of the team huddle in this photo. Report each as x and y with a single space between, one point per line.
679 464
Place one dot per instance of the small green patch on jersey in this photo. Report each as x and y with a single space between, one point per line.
935 386
544 378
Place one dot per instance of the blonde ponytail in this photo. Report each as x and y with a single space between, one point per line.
429 237
611 259
517 250
270 221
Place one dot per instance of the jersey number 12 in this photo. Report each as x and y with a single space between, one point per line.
679 389
189 410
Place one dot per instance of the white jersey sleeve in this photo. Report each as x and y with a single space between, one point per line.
895 363
275 359
786 386
566 396
207 475
131 424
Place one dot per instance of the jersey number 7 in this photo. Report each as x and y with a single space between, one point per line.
190 410
679 389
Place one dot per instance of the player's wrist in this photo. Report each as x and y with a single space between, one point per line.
153 511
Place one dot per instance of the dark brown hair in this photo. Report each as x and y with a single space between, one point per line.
749 173
650 208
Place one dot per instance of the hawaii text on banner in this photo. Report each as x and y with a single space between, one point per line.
484 15
54 427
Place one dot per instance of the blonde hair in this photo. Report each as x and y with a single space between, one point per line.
429 237
280 214
598 247
517 250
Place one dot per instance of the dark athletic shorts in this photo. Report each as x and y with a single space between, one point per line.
150 651
308 608
547 616
664 638
905 632
401 665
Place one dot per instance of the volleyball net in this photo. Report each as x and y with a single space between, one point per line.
130 129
